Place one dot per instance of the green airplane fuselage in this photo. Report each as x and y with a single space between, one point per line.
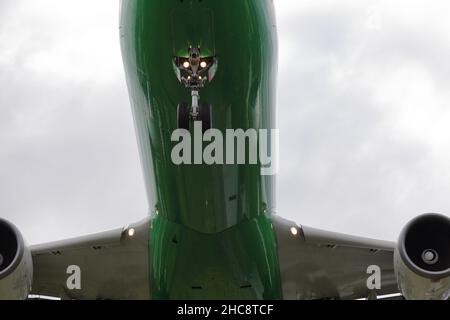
211 231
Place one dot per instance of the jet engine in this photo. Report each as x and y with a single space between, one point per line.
422 258
16 267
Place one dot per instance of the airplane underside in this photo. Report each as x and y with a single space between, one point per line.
213 231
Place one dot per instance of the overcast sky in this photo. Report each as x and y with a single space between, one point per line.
363 100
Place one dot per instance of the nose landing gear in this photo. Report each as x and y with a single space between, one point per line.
185 115
193 73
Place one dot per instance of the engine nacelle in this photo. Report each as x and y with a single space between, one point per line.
16 266
422 258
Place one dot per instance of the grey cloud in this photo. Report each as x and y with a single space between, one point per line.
69 160
342 167
69 163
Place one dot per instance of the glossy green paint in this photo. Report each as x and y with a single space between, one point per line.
237 263
211 232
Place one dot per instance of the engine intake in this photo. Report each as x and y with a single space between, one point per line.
10 247
422 258
426 246
16 269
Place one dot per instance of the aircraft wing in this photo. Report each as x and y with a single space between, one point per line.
317 264
314 264
111 265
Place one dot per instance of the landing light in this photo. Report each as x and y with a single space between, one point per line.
186 65
203 64
131 232
294 231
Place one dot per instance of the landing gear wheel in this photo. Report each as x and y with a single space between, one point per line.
206 116
183 116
